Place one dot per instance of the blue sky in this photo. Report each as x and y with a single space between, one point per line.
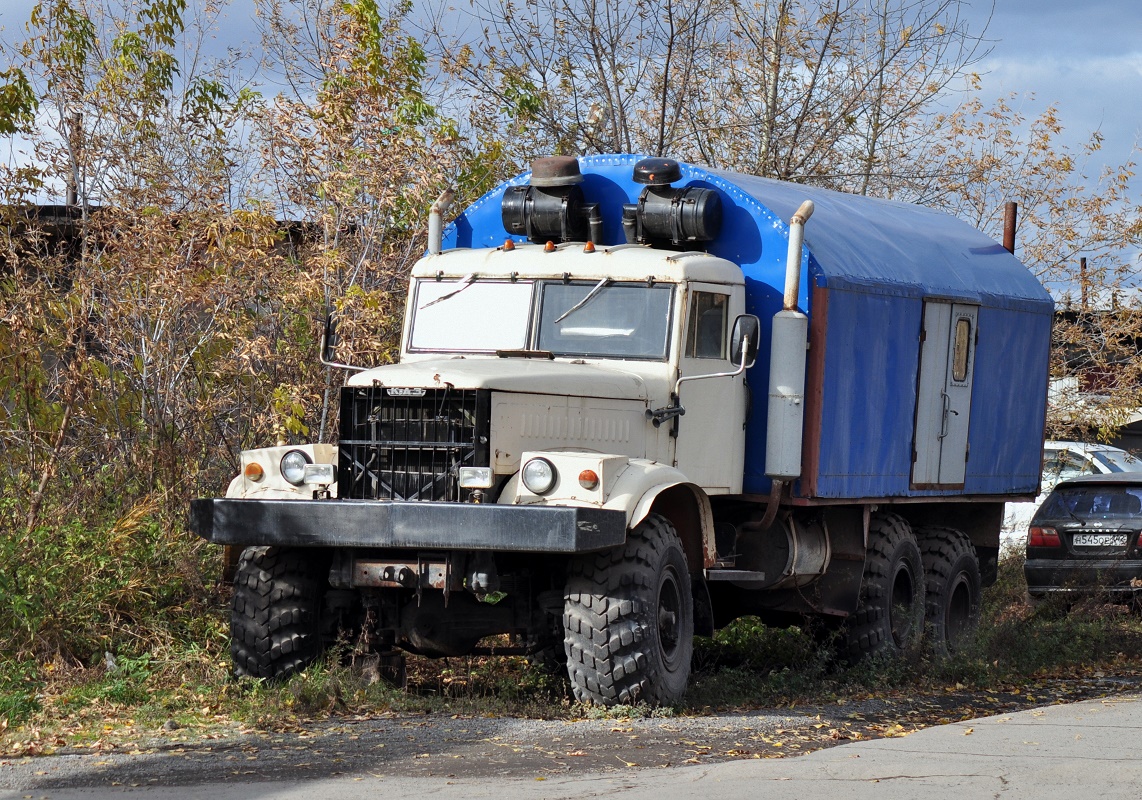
1085 57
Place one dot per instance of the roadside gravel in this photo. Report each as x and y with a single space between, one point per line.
449 746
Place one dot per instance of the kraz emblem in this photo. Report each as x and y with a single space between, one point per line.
406 392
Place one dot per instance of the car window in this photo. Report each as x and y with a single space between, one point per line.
1118 460
605 319
1092 502
1059 465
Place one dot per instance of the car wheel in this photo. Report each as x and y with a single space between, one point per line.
275 622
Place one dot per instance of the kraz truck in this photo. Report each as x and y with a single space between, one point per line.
637 399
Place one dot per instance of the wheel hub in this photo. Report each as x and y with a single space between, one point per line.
669 608
901 611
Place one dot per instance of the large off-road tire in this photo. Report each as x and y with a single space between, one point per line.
275 617
545 643
890 612
953 590
628 620
547 654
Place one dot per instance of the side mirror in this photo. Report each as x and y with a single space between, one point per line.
329 338
747 331
329 341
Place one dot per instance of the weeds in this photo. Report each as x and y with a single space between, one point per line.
20 687
745 665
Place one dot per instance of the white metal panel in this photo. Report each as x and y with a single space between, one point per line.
929 397
710 447
957 389
535 422
620 263
599 378
943 399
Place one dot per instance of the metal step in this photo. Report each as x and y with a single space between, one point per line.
734 575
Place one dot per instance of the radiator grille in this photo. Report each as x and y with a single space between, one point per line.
395 445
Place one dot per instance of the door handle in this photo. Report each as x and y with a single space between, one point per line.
947 401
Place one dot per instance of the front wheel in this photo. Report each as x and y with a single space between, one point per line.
275 618
951 570
628 620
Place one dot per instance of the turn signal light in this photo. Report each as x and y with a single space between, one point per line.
254 472
589 479
1043 537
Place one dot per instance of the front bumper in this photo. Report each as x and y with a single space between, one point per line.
1082 576
395 524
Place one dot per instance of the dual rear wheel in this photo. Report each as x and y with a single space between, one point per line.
914 582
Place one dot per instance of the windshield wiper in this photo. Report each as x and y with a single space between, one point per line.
524 353
466 281
605 282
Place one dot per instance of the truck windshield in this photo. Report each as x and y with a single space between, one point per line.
470 315
618 320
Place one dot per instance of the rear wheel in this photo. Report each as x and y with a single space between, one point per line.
953 590
890 612
629 620
275 617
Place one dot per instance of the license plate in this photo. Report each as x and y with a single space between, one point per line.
1100 539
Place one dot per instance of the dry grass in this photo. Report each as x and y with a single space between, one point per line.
187 686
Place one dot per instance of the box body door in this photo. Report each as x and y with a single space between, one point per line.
943 398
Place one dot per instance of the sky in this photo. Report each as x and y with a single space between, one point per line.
1085 57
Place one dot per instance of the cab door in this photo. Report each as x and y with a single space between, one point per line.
710 441
943 398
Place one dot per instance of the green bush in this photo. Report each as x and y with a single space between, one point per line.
122 583
19 691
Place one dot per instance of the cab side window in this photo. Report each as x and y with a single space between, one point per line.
706 325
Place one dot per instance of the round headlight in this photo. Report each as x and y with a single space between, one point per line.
293 467
539 475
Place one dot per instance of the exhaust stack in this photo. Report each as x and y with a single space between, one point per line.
436 221
787 365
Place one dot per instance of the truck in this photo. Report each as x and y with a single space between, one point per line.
637 399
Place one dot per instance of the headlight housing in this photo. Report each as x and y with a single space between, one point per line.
320 474
476 478
293 467
539 476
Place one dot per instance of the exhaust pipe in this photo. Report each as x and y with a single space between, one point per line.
436 221
1010 220
793 255
787 365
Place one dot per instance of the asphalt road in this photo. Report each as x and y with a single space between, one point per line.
1086 749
